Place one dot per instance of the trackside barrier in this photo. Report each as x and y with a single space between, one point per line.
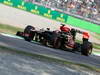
52 14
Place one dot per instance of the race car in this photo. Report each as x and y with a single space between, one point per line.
62 40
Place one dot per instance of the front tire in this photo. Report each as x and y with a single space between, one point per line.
86 48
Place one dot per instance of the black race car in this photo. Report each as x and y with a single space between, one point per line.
62 40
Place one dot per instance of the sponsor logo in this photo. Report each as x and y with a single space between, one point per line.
48 14
35 11
22 6
8 2
60 18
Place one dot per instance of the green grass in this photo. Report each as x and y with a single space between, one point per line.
96 46
98 37
95 35
9 29
50 59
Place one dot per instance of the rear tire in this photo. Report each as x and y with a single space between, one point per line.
28 29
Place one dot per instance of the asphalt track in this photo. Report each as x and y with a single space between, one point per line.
33 47
17 64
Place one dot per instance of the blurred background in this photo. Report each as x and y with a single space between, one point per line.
82 8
